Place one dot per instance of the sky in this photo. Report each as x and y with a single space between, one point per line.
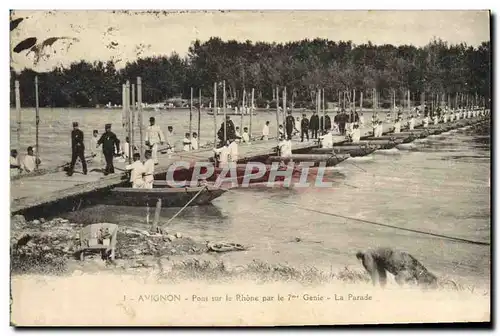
120 36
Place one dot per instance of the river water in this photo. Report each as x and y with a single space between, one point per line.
440 185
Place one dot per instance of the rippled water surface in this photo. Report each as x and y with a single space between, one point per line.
439 185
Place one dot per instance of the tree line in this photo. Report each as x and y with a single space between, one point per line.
302 66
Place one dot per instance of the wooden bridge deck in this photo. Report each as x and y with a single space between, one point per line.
32 191
28 192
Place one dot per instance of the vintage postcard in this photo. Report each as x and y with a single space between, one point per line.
249 168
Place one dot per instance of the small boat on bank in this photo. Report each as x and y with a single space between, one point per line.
170 197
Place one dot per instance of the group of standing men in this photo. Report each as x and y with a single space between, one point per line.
111 146
311 127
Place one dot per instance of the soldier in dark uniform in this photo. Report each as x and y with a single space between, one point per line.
109 141
77 149
230 130
304 128
289 125
328 122
314 125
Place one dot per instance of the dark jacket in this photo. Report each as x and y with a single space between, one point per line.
304 124
328 122
343 118
108 141
290 123
230 131
356 117
314 122
77 139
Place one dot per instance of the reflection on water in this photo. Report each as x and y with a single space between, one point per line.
440 186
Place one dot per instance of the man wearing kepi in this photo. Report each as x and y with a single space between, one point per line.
154 136
77 149
109 141
289 124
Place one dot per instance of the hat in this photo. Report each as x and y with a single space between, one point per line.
75 124
107 126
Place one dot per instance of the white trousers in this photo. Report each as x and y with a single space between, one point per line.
148 181
154 153
138 184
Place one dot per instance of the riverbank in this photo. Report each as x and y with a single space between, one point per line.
161 279
47 248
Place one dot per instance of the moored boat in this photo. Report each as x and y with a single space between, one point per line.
242 171
352 149
329 160
170 197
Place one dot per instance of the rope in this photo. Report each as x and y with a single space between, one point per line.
386 225
185 206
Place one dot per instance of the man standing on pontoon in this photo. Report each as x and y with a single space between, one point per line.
154 136
289 124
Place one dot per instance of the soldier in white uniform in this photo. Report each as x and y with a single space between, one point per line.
149 170
137 172
356 134
154 136
397 126
223 155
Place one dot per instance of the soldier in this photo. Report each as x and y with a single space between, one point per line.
154 136
314 125
77 149
304 128
289 124
109 141
230 130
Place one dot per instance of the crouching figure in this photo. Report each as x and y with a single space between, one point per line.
405 268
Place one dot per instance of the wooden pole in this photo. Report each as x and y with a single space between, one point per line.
318 107
374 101
129 125
323 107
191 114
277 113
393 100
139 116
242 110
422 102
224 109
133 106
124 104
214 109
199 117
18 109
132 119
409 102
361 102
251 113
340 101
37 110
157 215
284 108
354 104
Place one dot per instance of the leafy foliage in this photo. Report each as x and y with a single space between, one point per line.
301 66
